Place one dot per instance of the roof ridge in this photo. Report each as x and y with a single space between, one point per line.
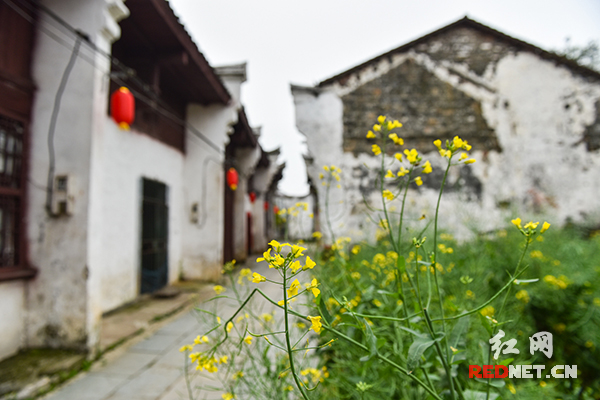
466 21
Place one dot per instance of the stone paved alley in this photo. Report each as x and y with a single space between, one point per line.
149 368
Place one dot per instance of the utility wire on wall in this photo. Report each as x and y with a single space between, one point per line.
53 118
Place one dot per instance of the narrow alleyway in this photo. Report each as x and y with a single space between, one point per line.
153 368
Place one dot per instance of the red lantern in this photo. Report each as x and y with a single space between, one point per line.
252 197
276 210
266 206
122 107
232 178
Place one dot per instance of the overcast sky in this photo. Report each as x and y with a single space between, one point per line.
305 42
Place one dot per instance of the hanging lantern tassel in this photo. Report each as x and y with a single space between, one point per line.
122 107
232 178
252 197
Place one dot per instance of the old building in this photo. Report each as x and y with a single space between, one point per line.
92 215
532 117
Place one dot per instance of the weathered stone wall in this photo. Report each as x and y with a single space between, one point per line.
533 122
429 108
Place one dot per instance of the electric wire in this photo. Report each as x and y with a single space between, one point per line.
53 118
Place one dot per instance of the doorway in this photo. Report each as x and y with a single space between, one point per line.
155 236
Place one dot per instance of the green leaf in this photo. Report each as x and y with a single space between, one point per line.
497 383
506 362
323 309
520 281
416 333
459 331
401 263
371 340
416 350
486 324
476 395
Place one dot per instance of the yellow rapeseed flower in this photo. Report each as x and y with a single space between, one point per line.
516 222
266 256
418 181
276 245
258 278
297 250
376 149
381 119
427 168
398 157
545 227
389 174
295 266
438 144
267 317
395 138
219 289
229 326
313 287
248 339
411 155
463 156
445 153
317 235
388 195
310 264
370 135
523 296
488 311
377 127
457 142
188 347
470 161
403 171
277 262
316 323
293 290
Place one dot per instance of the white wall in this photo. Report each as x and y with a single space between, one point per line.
58 299
12 324
204 184
544 171
128 157
300 223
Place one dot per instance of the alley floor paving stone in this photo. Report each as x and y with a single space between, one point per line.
151 368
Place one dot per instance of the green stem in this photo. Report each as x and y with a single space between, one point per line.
402 209
434 262
487 392
287 338
440 352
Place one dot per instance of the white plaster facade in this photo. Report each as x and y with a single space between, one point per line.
261 183
545 170
88 262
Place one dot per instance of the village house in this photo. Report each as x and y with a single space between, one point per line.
531 116
93 215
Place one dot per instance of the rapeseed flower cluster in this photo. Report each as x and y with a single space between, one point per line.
530 228
332 173
453 147
384 129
